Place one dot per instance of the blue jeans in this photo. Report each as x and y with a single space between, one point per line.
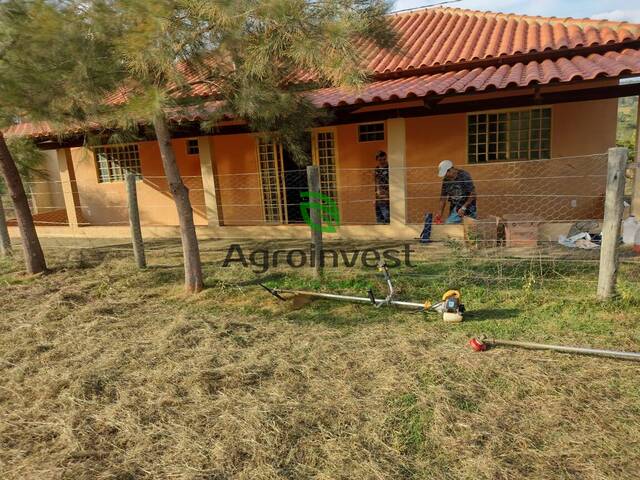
454 218
382 211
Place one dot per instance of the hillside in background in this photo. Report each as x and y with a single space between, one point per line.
627 117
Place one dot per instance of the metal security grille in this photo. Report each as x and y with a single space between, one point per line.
371 132
115 161
326 160
192 146
270 164
515 135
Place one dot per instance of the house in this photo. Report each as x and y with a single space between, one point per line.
527 104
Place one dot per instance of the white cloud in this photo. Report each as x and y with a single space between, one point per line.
620 15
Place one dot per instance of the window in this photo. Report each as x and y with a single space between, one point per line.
326 158
114 162
192 146
516 135
371 132
270 167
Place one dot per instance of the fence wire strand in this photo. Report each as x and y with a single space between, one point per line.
512 197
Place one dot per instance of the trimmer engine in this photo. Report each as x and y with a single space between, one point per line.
452 308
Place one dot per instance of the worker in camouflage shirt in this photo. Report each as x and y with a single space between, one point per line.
382 188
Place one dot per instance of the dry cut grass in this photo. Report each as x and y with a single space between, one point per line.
111 373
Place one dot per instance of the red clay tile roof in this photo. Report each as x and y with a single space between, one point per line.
195 78
611 64
440 36
514 51
36 129
446 36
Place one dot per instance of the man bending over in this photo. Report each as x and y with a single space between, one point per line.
459 190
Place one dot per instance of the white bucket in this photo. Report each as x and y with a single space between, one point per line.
629 228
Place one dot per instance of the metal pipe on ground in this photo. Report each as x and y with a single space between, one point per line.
482 344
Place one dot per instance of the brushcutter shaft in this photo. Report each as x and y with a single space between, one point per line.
349 298
441 307
560 348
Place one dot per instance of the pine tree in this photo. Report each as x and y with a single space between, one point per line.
52 67
253 59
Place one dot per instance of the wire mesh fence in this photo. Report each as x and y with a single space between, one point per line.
105 204
562 189
568 192
566 189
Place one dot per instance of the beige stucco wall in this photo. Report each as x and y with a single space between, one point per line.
356 183
239 188
236 167
46 193
584 128
579 130
106 203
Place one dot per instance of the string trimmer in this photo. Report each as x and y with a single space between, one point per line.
450 306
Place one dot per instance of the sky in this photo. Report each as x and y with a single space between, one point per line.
628 10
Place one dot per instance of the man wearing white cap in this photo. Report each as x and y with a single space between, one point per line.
459 190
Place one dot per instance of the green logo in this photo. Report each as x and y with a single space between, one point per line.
328 208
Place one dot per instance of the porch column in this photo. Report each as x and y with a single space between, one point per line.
208 181
396 146
635 198
68 185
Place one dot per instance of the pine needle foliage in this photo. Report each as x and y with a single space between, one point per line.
253 58
28 158
56 61
60 60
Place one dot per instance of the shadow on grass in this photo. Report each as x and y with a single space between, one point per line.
327 313
338 314
272 277
162 276
484 314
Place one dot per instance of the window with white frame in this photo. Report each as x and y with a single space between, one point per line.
371 132
270 168
326 145
113 162
513 135
192 146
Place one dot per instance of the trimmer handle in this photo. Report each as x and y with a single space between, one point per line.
387 277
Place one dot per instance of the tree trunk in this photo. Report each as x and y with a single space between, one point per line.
190 249
5 240
33 256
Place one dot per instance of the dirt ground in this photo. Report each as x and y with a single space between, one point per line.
108 372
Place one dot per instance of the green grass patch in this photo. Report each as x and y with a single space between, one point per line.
98 357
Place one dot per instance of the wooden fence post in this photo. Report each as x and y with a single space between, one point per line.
5 240
134 221
635 190
313 179
613 208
